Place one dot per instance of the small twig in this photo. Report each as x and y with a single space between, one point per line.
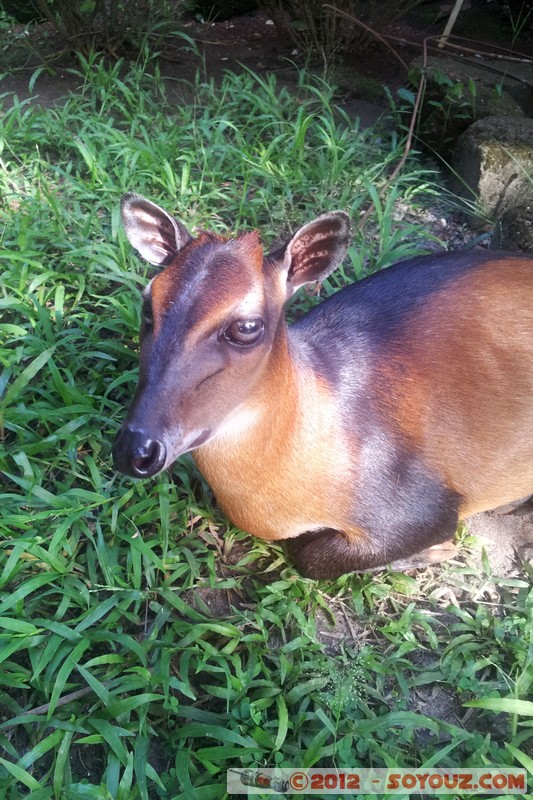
146 610
355 636
451 22
420 91
44 709
416 107
368 29
507 55
410 133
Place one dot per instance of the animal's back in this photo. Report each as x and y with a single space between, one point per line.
377 306
435 357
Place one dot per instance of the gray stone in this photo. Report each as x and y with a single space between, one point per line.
493 161
514 230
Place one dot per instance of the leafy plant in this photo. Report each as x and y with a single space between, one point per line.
520 15
20 10
449 107
220 9
85 25
316 29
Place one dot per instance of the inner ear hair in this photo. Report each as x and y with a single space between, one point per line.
151 230
317 248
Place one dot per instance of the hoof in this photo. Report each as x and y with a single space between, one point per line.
426 558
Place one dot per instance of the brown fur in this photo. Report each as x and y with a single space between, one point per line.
487 464
292 465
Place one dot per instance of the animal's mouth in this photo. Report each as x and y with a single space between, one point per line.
200 440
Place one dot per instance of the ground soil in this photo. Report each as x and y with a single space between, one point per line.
252 42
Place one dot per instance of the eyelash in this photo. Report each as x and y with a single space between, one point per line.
146 313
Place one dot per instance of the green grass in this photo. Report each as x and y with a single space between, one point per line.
146 646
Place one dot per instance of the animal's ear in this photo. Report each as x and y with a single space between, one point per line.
316 249
155 234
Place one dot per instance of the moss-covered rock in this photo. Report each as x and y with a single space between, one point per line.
514 231
493 160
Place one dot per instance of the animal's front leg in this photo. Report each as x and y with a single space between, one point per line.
328 554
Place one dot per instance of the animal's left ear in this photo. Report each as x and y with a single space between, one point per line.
316 249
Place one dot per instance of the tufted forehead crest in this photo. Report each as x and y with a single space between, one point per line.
209 272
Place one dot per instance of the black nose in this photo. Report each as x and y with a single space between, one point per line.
137 454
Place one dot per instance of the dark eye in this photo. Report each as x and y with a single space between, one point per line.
146 313
244 331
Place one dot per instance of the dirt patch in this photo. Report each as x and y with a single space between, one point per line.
507 538
249 42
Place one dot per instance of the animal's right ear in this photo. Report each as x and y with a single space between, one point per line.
155 234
